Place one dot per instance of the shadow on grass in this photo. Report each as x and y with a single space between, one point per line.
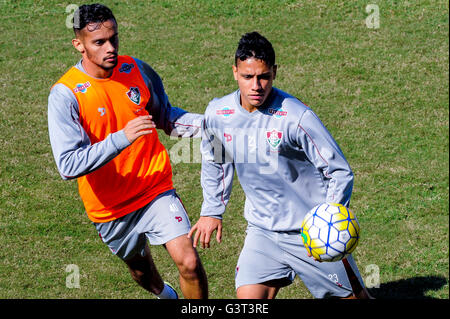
411 288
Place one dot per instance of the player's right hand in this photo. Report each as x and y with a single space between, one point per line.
204 228
141 125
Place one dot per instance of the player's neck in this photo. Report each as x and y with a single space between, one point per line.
95 71
249 108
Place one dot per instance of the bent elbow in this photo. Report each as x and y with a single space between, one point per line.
66 168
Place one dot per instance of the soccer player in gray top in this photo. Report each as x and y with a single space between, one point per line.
287 162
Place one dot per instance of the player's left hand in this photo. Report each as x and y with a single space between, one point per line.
141 125
311 256
204 228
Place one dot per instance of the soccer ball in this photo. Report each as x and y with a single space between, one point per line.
330 232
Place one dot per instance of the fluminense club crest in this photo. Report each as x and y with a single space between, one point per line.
274 138
134 95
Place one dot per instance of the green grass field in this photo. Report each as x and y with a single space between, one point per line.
383 93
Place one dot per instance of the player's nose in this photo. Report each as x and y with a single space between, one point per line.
111 48
256 84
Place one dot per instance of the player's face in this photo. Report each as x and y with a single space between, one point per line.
99 44
255 79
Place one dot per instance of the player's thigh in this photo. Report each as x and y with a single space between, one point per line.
123 235
267 290
170 227
323 279
160 221
261 261
169 219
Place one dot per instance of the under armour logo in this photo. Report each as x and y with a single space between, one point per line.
179 218
102 111
173 208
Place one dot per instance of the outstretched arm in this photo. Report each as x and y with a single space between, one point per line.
216 181
173 120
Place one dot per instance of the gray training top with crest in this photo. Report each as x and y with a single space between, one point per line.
286 161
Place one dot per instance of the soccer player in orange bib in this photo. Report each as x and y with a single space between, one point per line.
102 119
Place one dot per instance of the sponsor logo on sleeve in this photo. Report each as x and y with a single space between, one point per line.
277 113
126 68
82 87
226 111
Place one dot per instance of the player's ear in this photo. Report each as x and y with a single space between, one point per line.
235 72
274 69
78 44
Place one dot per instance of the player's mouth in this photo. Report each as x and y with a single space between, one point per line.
111 59
257 97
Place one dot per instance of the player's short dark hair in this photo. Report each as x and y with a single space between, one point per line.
254 45
91 13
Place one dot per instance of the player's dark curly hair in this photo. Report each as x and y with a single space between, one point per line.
91 13
254 45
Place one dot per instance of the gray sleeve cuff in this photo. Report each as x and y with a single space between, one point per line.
120 140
